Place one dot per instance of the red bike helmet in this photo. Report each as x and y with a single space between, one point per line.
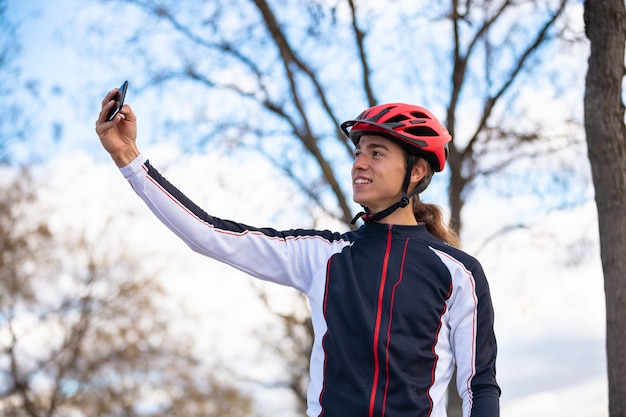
413 127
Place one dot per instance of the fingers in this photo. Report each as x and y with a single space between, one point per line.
108 103
110 96
127 113
102 126
105 111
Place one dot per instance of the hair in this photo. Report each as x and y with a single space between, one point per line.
431 214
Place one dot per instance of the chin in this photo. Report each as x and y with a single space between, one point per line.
360 201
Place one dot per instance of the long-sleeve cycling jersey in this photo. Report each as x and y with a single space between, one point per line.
393 308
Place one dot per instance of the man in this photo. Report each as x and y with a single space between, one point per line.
394 304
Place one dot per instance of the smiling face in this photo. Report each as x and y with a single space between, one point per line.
378 172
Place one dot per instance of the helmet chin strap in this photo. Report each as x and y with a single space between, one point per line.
369 217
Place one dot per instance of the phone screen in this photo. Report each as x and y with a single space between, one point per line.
120 101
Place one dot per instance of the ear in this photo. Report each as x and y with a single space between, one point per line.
419 171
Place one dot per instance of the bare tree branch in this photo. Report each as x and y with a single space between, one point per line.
359 36
507 82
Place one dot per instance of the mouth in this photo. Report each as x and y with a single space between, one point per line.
361 181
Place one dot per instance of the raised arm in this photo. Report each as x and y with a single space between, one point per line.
286 257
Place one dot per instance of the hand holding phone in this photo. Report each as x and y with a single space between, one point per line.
120 101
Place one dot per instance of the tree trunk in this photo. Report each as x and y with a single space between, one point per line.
606 145
456 186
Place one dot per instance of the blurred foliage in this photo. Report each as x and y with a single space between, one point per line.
83 330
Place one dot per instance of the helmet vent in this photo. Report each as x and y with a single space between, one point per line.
398 118
421 131
420 115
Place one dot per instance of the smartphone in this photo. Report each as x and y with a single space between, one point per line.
120 101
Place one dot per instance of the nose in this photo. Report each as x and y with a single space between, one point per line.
360 163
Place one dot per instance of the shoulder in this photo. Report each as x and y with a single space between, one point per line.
452 255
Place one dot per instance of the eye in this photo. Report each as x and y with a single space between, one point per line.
357 154
377 154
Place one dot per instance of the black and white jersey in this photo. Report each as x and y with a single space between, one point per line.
393 308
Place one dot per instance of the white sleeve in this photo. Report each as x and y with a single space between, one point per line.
286 257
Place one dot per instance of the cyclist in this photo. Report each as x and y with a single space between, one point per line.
395 305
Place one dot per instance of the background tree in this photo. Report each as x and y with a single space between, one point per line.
279 79
269 87
20 97
9 75
82 331
605 22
